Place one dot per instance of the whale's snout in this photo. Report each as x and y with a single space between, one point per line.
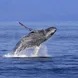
50 31
53 29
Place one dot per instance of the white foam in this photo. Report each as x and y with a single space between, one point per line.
29 53
11 55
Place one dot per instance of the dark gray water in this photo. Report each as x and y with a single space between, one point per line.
63 47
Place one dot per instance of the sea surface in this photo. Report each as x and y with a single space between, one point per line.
62 48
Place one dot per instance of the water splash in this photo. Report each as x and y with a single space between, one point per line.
43 52
11 55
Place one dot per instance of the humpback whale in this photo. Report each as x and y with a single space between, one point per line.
34 39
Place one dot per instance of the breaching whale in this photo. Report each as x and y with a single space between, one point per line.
34 39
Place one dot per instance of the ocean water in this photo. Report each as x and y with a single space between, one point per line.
62 48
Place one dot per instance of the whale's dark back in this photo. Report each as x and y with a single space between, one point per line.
34 38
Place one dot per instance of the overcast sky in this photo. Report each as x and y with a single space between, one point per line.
38 10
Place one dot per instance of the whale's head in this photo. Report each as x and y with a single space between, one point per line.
50 31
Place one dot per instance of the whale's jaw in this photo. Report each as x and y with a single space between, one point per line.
50 31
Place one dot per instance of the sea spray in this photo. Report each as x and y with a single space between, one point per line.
43 51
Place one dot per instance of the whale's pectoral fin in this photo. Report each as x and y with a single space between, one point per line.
30 29
17 50
36 50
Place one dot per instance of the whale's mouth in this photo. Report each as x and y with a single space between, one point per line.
43 52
